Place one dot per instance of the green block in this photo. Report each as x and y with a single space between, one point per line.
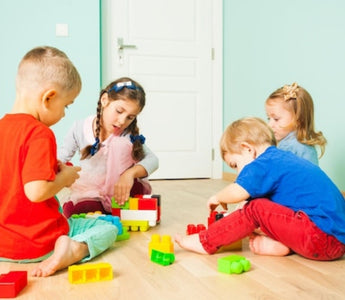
115 205
162 258
123 236
77 216
233 264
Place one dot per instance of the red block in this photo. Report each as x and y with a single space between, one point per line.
158 207
192 229
116 212
212 218
12 283
147 204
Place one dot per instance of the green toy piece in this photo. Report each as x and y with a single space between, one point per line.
233 264
115 205
162 258
124 236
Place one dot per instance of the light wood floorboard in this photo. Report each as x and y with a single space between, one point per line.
191 276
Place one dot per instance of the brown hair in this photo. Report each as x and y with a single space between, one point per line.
135 94
298 102
251 130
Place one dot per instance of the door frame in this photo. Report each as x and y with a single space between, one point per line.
217 93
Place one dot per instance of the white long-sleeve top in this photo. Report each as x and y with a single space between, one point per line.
100 172
81 135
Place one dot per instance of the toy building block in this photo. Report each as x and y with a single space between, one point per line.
161 243
233 246
135 225
133 203
233 264
136 215
139 208
147 204
215 216
116 212
113 220
12 283
156 198
90 272
115 205
162 258
124 235
192 229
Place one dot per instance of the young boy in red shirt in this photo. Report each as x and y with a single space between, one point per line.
31 226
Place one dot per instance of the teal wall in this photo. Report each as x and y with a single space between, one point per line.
25 24
269 43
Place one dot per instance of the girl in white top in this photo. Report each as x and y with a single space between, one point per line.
114 158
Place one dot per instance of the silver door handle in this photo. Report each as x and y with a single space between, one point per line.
121 46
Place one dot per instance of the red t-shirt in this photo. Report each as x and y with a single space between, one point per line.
27 153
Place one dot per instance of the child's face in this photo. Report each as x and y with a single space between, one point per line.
280 120
118 114
238 161
55 106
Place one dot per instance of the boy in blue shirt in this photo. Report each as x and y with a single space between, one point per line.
291 200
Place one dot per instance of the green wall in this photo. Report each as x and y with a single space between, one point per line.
270 43
25 24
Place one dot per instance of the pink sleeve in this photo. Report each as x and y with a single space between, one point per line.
119 160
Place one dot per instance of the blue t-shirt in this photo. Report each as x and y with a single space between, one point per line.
290 143
298 184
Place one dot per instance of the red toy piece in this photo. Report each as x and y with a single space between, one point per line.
191 228
138 209
151 199
215 216
12 283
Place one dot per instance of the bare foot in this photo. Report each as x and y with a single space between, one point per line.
263 245
66 252
190 242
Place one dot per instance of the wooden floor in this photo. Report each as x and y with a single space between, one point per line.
191 276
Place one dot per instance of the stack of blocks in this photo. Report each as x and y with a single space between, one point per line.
139 212
161 250
90 272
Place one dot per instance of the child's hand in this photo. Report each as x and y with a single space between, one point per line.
122 188
69 173
213 203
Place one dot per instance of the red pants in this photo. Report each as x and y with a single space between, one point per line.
293 229
92 205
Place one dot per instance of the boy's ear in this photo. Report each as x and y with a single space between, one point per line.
245 146
248 148
48 96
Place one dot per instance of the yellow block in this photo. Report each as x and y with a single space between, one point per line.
133 203
161 244
234 246
90 272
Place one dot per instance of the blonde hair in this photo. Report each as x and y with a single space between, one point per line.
48 65
299 103
251 130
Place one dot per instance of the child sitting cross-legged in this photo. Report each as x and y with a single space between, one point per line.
32 229
294 203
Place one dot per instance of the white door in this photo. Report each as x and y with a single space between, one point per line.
166 45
